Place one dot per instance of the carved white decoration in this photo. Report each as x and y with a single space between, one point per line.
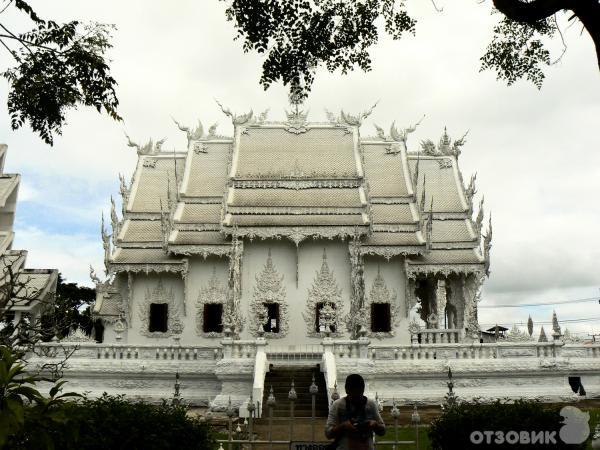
472 286
192 134
445 163
381 294
213 292
236 119
150 148
568 338
296 121
357 317
445 146
200 147
159 295
298 234
516 335
150 163
296 184
232 317
269 288
78 335
356 120
324 290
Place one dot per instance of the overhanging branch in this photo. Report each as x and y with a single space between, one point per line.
530 12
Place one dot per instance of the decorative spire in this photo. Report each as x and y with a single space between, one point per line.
116 226
542 337
479 219
124 190
105 244
429 229
470 192
487 246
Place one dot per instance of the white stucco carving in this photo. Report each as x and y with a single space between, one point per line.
269 289
159 295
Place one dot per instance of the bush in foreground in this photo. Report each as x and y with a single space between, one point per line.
112 422
453 429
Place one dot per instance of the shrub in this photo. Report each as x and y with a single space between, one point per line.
453 429
111 422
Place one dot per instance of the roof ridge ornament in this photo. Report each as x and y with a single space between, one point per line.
191 134
399 137
236 119
150 148
356 120
296 120
445 145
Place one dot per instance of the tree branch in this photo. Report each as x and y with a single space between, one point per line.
531 12
588 11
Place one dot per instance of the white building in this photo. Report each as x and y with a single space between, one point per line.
309 243
23 292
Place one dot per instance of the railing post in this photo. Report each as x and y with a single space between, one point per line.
313 393
292 396
415 418
395 412
251 408
230 413
271 404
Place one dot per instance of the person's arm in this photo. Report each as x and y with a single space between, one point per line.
377 424
333 427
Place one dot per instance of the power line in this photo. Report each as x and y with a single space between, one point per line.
527 305
580 320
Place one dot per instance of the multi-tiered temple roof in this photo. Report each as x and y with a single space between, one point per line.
25 287
298 180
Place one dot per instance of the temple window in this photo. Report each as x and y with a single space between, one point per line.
159 316
272 325
213 318
380 318
99 331
318 327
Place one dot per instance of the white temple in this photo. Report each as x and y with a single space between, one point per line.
309 243
256 233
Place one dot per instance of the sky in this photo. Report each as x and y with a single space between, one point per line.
536 152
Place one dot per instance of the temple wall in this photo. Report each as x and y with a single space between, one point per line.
310 258
143 283
394 276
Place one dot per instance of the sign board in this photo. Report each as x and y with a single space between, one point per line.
309 445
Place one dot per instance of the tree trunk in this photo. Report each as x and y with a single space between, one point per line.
588 11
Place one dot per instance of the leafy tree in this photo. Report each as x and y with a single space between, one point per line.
57 66
70 309
297 36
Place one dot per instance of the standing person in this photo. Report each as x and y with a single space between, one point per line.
353 418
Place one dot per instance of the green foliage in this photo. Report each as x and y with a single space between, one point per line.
20 402
71 308
454 427
299 35
517 51
58 66
111 422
